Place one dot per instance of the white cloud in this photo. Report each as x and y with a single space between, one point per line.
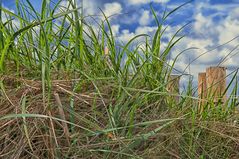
202 23
145 18
228 28
139 2
112 8
145 30
125 36
201 44
115 29
90 7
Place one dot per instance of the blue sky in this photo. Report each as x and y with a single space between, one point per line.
212 23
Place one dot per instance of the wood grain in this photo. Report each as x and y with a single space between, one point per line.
216 83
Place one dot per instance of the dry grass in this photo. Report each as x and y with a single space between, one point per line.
54 138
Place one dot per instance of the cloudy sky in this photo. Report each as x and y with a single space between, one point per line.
213 28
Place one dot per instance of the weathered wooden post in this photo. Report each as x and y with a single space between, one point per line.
202 90
216 83
173 86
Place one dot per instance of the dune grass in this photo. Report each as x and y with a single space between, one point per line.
63 97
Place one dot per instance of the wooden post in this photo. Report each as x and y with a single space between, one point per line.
173 86
202 90
216 83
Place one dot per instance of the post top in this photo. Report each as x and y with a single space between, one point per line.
222 67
